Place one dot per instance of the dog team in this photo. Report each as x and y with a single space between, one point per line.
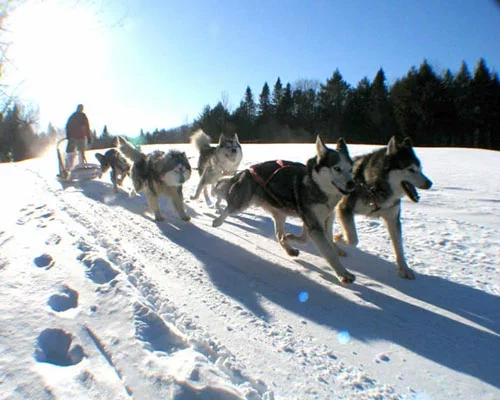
329 183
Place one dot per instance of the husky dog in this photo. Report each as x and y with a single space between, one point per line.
215 162
286 188
119 165
159 173
382 178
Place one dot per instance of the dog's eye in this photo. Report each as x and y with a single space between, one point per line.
412 170
337 169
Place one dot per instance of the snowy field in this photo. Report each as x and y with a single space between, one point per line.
97 301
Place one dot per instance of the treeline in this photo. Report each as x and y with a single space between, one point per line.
18 140
446 109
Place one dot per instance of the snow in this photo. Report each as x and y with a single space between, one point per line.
98 301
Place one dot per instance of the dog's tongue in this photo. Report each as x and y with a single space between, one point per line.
410 191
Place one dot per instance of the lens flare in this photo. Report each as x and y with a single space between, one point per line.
343 337
303 296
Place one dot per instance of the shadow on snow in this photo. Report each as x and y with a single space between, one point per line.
246 277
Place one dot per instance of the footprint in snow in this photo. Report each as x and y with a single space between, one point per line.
99 270
56 346
3 262
44 261
48 215
31 212
84 246
155 332
53 239
66 299
382 357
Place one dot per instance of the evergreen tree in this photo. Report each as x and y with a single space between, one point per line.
264 112
285 106
305 101
19 139
464 106
276 98
495 106
250 106
427 103
244 117
331 102
402 97
213 121
105 133
356 121
305 109
380 110
446 116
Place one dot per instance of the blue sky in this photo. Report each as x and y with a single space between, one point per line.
156 64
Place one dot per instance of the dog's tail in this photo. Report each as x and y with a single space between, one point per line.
200 140
129 150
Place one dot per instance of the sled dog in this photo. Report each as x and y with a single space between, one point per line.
215 161
159 173
120 167
383 178
286 188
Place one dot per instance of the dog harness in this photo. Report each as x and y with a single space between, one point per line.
264 182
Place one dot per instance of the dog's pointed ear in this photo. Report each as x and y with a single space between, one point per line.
321 148
392 146
221 138
235 138
342 147
407 142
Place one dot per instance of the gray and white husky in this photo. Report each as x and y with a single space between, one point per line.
286 188
119 165
159 173
383 178
215 161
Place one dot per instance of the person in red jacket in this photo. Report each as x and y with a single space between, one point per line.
78 135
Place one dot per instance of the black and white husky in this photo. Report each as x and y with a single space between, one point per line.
120 168
159 173
383 178
286 188
215 161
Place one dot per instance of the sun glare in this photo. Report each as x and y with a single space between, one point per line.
58 52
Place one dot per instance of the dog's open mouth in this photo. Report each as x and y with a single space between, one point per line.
410 191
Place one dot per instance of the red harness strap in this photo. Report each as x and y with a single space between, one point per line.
263 183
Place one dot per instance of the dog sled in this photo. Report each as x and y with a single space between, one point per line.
69 171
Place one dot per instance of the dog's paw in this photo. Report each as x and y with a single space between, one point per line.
293 252
159 218
346 278
186 218
217 222
406 273
339 238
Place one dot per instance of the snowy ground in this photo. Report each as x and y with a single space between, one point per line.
97 301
